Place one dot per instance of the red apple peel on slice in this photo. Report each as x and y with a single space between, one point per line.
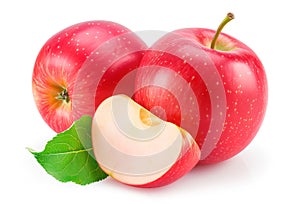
137 148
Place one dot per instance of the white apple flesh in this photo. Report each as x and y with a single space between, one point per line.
137 148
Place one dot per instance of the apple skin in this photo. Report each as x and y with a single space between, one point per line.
62 63
218 95
182 166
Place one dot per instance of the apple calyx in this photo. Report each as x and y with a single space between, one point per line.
214 45
63 96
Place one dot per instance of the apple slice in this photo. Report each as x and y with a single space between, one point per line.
137 148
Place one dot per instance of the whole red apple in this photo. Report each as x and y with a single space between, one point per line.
208 83
79 67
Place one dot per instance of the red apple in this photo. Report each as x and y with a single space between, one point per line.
80 66
208 83
137 148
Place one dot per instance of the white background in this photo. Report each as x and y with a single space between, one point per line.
266 171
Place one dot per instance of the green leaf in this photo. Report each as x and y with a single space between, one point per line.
69 155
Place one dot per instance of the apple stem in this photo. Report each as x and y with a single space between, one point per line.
64 96
228 18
